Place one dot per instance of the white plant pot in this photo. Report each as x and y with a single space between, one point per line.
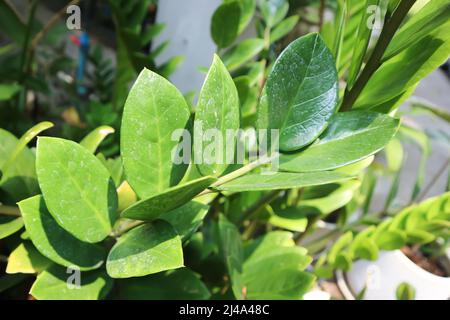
382 278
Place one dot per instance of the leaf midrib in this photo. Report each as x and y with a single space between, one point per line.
79 189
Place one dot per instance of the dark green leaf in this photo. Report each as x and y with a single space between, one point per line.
218 110
225 23
301 93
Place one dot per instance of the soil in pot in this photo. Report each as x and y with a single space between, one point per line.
420 259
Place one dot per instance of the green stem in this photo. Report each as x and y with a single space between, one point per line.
239 172
260 204
26 56
389 29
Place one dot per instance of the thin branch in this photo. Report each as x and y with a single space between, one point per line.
53 20
10 211
433 180
321 13
260 204
389 29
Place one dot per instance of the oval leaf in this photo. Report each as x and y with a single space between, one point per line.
89 203
217 111
53 241
153 111
225 23
301 93
52 284
151 208
351 136
146 249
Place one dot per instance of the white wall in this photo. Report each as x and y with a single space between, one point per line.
188 29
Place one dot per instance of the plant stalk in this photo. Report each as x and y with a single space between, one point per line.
389 29
10 211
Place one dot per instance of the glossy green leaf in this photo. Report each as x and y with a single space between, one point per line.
146 249
246 13
218 110
282 180
301 93
88 207
26 259
273 11
360 134
232 253
153 111
20 180
283 28
242 52
54 242
93 139
225 23
406 69
181 284
187 218
57 283
153 207
9 225
432 16
8 91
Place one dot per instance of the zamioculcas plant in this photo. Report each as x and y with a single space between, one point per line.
204 205
83 222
